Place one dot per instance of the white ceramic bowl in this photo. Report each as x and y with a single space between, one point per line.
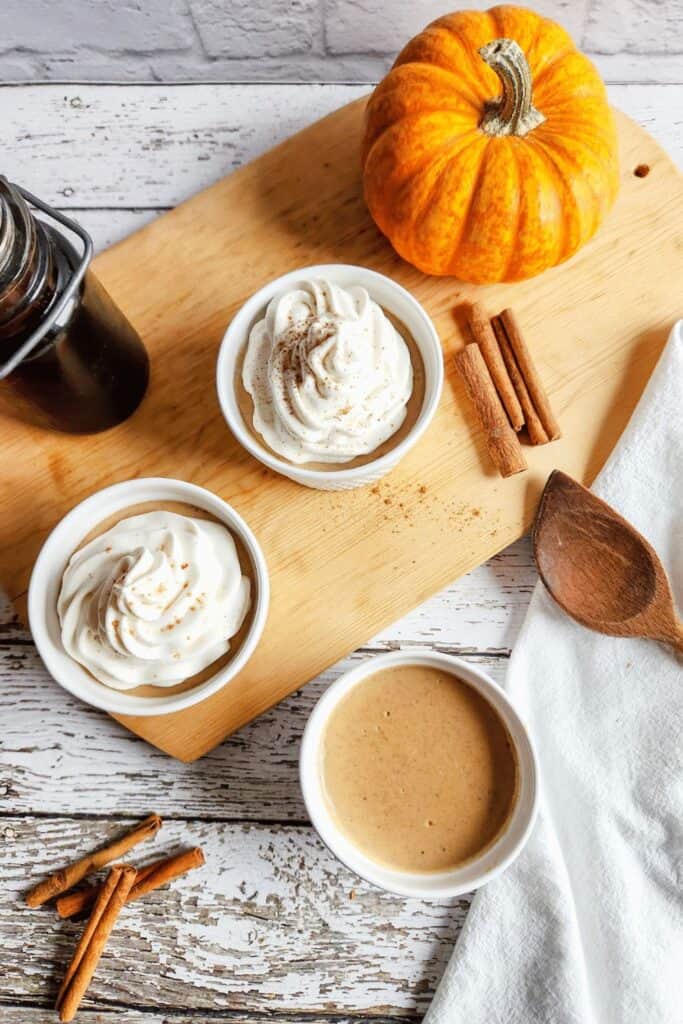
67 536
441 884
390 296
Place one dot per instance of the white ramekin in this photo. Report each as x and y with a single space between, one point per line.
441 884
390 296
67 536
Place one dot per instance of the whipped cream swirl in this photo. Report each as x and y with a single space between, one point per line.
328 373
154 600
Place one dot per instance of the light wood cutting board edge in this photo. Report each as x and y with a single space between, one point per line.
190 734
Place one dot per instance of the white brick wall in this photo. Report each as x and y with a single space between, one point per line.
294 40
66 27
256 29
369 25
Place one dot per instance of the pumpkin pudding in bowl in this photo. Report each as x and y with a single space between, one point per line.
148 597
329 375
419 775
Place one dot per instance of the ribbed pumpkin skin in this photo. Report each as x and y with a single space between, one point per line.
454 200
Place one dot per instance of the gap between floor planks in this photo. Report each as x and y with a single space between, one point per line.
35 1013
252 776
249 745
267 749
152 146
271 920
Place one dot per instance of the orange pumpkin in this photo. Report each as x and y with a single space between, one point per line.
490 151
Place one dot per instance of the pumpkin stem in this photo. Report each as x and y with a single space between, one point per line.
513 113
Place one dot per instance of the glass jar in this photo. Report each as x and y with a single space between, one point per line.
69 359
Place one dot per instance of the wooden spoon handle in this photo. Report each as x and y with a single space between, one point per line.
675 640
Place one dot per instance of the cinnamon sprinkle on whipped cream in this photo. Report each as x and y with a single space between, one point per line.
328 374
153 601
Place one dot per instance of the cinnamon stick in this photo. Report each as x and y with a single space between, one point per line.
502 442
167 870
150 877
104 895
531 378
69 876
74 903
537 434
91 946
482 333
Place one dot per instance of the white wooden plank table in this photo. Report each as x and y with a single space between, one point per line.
273 927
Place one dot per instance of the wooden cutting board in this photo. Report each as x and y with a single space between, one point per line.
344 565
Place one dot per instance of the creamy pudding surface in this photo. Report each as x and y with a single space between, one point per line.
154 599
329 376
418 769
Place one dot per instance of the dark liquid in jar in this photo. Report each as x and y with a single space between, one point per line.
91 370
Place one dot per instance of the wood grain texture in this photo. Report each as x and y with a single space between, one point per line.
95 149
279 921
599 568
26 1013
151 146
441 511
58 756
253 775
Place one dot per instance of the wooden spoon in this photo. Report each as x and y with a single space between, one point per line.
598 568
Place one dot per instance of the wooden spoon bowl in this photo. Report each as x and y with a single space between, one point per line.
598 568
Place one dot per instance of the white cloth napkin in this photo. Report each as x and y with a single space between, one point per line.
587 926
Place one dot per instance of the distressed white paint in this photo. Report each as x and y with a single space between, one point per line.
31 1015
60 756
153 146
148 146
271 920
271 925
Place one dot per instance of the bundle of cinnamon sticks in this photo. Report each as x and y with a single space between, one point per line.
123 884
505 388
